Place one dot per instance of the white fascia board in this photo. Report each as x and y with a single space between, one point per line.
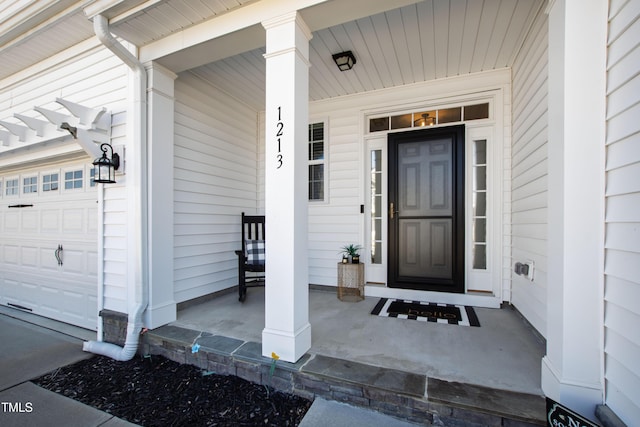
319 14
235 20
64 147
99 7
105 7
328 14
219 48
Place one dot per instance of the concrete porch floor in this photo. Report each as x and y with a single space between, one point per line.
503 353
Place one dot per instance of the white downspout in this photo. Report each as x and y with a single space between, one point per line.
137 203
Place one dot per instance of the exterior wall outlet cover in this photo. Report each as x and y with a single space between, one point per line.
531 265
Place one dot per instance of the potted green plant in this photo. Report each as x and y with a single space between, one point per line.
352 251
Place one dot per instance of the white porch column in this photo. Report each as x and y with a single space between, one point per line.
572 370
160 117
287 330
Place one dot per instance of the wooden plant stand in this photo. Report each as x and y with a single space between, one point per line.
350 282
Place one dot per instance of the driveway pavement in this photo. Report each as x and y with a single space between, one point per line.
28 351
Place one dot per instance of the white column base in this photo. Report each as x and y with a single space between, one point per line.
580 398
160 315
289 347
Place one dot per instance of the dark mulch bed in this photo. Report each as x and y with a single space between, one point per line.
156 391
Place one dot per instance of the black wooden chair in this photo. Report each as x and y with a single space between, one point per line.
251 257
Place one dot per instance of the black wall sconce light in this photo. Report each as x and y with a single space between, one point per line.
104 168
344 60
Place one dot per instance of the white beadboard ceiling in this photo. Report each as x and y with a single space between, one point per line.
28 42
427 40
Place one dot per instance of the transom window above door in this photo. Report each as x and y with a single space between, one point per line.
424 118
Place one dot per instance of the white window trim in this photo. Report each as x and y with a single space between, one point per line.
63 179
11 178
431 107
325 161
89 178
376 273
22 184
41 183
482 280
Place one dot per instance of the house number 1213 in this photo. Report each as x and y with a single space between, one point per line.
280 127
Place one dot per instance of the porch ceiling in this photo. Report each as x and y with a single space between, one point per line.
420 41
155 20
30 34
428 40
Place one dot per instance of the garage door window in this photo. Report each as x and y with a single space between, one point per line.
30 185
50 182
11 188
73 179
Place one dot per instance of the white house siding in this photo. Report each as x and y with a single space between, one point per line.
94 79
91 76
529 173
114 231
215 179
337 221
622 241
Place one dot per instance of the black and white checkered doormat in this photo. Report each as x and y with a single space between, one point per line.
426 312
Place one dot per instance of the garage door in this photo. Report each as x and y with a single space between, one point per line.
48 242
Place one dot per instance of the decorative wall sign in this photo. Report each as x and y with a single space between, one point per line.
561 416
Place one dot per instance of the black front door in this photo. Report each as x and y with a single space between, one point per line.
426 209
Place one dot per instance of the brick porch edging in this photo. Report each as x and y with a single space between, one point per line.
401 394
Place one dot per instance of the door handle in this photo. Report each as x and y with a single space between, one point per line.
58 254
392 211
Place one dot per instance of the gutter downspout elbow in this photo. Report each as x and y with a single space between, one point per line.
101 29
136 202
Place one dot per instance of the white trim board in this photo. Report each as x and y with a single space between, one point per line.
486 301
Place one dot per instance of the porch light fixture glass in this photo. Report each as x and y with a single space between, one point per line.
104 168
344 60
425 120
